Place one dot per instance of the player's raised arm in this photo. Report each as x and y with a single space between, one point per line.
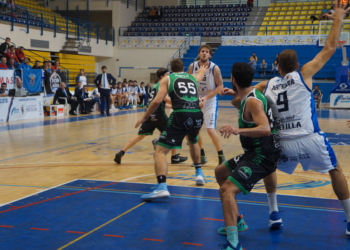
236 101
162 93
331 44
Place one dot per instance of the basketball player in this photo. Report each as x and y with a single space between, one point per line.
209 87
301 138
185 120
261 151
157 120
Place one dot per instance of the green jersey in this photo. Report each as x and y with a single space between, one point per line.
183 92
160 111
262 145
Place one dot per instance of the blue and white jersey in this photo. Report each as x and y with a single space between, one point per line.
207 85
136 89
114 91
292 105
124 89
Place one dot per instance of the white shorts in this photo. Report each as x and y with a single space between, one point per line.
313 152
210 113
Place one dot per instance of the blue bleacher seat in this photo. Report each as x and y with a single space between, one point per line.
165 34
197 6
162 30
229 34
236 33
132 34
172 25
191 6
243 5
214 34
173 34
152 34
217 6
230 6
223 6
181 11
166 7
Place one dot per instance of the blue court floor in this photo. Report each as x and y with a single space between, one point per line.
86 214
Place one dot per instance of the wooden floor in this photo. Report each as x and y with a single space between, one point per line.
41 156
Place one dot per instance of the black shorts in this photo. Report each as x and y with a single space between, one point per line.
153 122
249 168
179 125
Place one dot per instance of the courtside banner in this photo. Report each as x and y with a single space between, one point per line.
4 108
268 40
32 80
156 41
26 108
6 75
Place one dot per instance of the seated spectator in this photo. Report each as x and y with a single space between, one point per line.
323 15
63 92
12 64
81 78
121 96
49 65
78 87
263 68
317 93
159 13
114 96
127 94
137 93
57 66
3 64
25 64
37 65
142 94
19 85
152 13
11 53
250 3
3 91
253 60
96 96
4 46
86 103
20 54
45 66
274 68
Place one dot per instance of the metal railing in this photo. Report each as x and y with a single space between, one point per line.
182 49
214 2
16 14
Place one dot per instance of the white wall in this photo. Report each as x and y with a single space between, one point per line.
264 3
162 3
72 5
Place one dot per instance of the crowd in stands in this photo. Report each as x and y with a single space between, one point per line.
264 68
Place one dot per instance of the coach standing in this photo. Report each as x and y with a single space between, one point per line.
104 83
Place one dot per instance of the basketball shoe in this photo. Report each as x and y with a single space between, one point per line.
199 177
275 220
177 158
241 226
160 192
228 246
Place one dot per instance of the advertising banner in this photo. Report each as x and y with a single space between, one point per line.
32 80
6 75
268 40
26 108
4 108
52 80
156 41
340 100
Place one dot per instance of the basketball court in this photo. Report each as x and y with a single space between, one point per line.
64 191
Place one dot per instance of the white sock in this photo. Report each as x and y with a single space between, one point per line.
346 206
272 199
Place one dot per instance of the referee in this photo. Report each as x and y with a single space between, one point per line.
104 83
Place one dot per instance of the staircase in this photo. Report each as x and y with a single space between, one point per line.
256 17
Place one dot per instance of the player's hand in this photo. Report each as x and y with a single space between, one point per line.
340 10
203 68
227 130
139 122
202 101
348 123
227 91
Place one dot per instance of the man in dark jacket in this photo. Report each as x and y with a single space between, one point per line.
104 83
64 92
4 46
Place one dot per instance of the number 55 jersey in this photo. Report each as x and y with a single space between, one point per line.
292 106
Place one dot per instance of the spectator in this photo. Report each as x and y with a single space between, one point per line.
142 94
148 90
45 66
86 103
4 46
159 13
317 93
25 64
104 82
3 90
3 5
137 92
81 78
126 94
19 84
57 66
263 68
12 64
274 68
20 54
3 63
122 96
63 92
37 65
11 53
78 87
152 13
250 3
253 60
49 65
114 96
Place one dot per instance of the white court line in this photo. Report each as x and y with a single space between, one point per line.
36 193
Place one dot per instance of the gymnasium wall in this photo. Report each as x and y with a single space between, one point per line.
161 3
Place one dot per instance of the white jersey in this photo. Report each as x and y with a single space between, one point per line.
292 106
114 91
207 85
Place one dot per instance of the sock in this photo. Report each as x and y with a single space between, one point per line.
220 152
127 104
272 199
197 165
202 152
346 206
232 235
123 153
161 178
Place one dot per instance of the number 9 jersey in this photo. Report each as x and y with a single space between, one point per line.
292 106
